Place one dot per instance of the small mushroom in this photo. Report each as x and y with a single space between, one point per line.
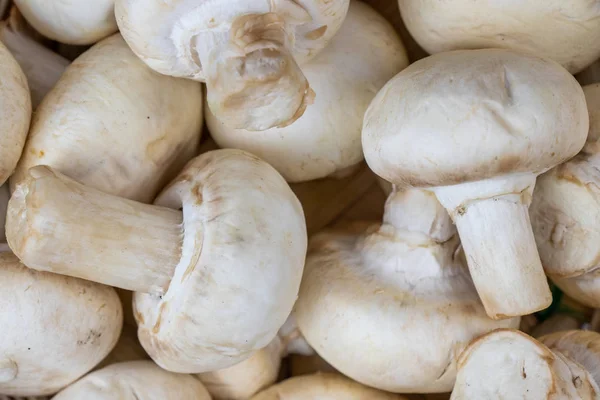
325 141
214 281
566 31
73 21
565 213
406 292
54 328
476 127
247 51
508 364
112 123
323 386
141 380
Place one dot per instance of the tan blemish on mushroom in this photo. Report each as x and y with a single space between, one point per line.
317 33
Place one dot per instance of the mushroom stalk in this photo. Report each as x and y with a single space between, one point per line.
492 219
58 225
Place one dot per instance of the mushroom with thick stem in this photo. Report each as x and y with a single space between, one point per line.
508 364
565 213
141 380
404 288
323 386
73 21
476 127
325 141
55 328
131 133
233 256
247 51
566 31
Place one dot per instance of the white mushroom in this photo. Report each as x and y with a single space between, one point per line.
508 364
566 31
360 59
476 127
247 51
142 380
214 281
54 328
394 307
114 124
565 213
71 21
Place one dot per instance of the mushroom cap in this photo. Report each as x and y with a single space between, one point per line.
583 288
73 21
135 130
566 31
404 300
56 328
135 380
472 115
508 364
242 259
360 59
163 35
15 112
323 386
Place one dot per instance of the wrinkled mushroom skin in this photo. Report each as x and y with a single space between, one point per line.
72 21
565 215
135 130
508 364
56 328
566 31
247 51
135 380
360 59
407 290
476 127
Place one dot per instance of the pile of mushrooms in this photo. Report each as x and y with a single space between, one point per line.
359 220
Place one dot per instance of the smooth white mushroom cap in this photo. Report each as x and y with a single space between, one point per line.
361 58
566 31
71 21
55 328
135 380
323 386
113 124
242 259
471 115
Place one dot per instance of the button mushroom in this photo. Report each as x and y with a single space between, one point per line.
324 387
508 364
476 127
54 328
142 380
564 31
565 213
73 21
405 291
233 256
114 124
247 51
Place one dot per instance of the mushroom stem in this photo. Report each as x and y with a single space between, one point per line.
58 225
492 219
252 78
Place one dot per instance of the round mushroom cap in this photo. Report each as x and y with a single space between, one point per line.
239 274
360 59
323 386
135 380
134 130
15 112
566 31
508 364
56 328
73 21
472 115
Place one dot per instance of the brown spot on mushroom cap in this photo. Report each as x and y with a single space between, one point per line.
316 33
